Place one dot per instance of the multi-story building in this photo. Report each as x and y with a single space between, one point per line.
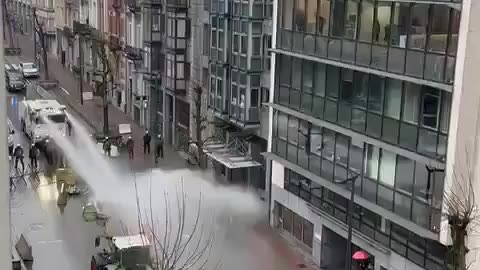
23 10
240 33
66 12
45 12
381 93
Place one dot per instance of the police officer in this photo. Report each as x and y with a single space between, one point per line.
146 142
19 154
33 154
159 147
130 147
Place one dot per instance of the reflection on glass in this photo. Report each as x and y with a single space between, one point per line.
404 174
366 23
299 15
361 90
338 20
351 19
418 26
375 98
323 17
438 28
454 26
411 102
393 98
320 78
381 25
373 157
398 29
387 168
311 16
287 15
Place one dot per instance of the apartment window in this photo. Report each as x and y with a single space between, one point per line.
287 15
254 98
206 39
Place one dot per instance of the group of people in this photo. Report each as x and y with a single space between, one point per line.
33 155
147 138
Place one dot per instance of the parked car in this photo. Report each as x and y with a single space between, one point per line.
14 80
29 70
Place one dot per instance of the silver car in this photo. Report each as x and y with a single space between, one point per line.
29 70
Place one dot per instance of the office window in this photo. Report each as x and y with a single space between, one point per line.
411 102
316 140
206 39
430 108
299 15
254 98
361 90
418 26
323 17
311 16
387 168
375 98
438 29
293 130
404 174
393 98
373 157
296 73
287 10
333 78
338 20
445 113
320 79
356 156
367 25
351 19
307 74
454 26
399 27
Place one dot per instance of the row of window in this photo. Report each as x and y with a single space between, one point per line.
411 189
296 225
239 8
416 39
426 253
412 116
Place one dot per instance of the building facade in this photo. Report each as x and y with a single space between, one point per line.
239 66
367 91
45 11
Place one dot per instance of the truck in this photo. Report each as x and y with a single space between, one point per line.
33 113
130 252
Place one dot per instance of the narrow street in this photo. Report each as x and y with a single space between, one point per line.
65 241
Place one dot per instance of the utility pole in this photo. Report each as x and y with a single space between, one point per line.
80 54
34 36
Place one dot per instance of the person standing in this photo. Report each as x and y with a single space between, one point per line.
146 142
159 148
130 147
33 154
19 154
69 128
107 147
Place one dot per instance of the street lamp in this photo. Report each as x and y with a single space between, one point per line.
348 256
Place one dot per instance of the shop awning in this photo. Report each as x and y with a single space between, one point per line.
232 155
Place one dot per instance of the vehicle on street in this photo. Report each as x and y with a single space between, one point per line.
29 70
14 80
121 252
33 114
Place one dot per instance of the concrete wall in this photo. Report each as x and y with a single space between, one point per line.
464 149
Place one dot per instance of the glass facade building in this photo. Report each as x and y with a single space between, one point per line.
363 88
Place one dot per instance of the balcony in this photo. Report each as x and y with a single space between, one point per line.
114 43
178 3
132 53
134 6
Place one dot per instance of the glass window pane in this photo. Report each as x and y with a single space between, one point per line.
421 214
358 120
287 219
293 130
390 130
307 233
361 90
347 85
454 26
311 19
296 73
323 18
351 19
418 26
375 98
431 108
285 65
381 26
344 114
287 15
307 74
316 140
385 197
307 100
318 105
333 77
373 158
292 153
341 156
282 124
445 113
403 205
387 168
393 98
374 125
427 142
294 99
404 174
369 189
411 102
398 29
320 78
338 20
331 111
356 156
299 15
366 23
438 28
408 136
423 181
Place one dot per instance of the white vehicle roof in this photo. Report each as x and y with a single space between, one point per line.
44 105
124 242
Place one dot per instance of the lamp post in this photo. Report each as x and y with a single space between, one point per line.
348 256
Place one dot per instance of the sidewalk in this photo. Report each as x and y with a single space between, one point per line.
92 110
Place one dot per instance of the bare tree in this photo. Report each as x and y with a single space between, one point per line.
179 242
200 121
462 215
41 35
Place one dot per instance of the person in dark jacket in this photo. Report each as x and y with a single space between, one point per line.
146 142
158 148
19 154
107 146
33 154
130 147
69 128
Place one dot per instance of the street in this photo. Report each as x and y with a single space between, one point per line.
61 239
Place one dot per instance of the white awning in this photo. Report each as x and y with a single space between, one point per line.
124 242
230 158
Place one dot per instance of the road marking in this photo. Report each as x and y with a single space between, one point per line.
64 90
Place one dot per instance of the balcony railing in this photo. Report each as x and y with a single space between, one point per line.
134 5
133 53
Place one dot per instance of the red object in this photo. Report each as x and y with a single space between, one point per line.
360 256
